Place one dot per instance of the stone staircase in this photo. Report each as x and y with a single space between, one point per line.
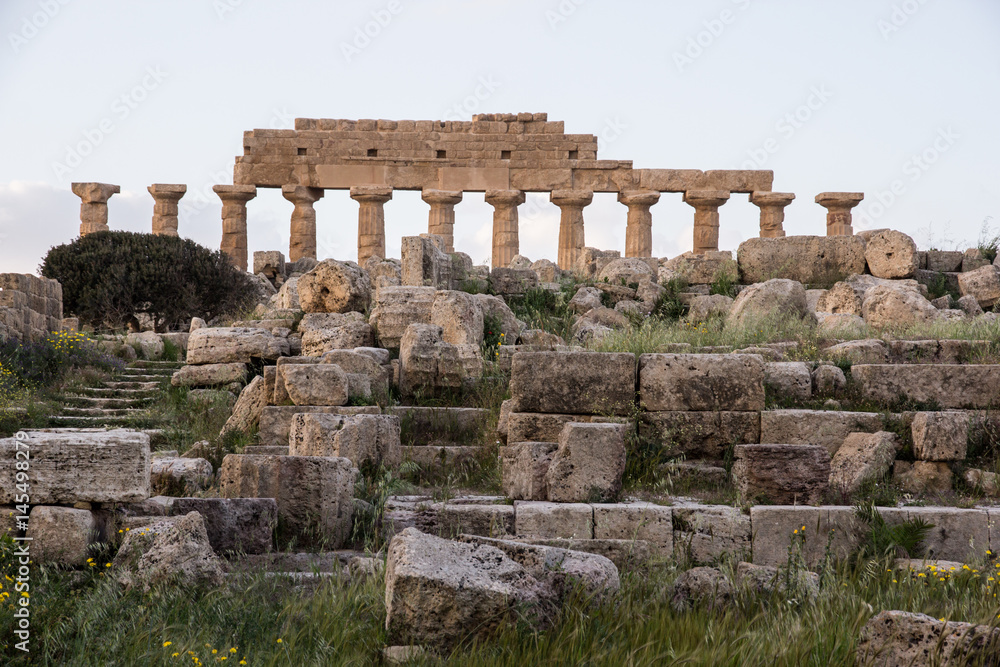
120 401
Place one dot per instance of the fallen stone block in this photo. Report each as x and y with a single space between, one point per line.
950 386
573 382
788 380
816 260
768 580
588 464
940 436
61 535
891 254
545 519
182 474
901 639
209 375
325 332
523 467
315 384
169 551
680 382
863 458
233 525
782 474
220 345
334 287
828 428
701 587
923 476
982 284
396 308
69 466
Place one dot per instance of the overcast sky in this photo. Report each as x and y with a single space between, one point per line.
895 98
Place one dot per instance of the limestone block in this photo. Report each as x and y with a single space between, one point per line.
940 436
363 439
814 260
958 386
269 262
233 525
322 332
234 344
248 408
891 254
783 474
588 465
701 587
867 351
559 520
192 474
353 362
681 382
813 529
703 308
890 306
425 262
828 380
209 375
704 268
636 521
460 317
495 307
626 270
700 435
523 466
787 297
573 382
922 476
705 534
983 284
901 638
314 494
396 308
945 261
816 427
452 520
175 550
957 534
334 287
315 384
769 580
276 420
788 380
536 427
61 535
149 344
69 466
862 458
585 299
512 281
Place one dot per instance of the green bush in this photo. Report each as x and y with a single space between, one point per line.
110 278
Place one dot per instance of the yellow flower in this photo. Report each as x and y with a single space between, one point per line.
166 644
279 640
232 650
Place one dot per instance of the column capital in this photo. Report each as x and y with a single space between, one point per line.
571 197
504 197
638 197
166 191
235 192
95 193
706 198
378 194
762 199
840 200
301 194
444 197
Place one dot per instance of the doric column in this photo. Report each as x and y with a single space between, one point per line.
505 241
571 232
302 236
94 209
639 226
441 220
772 211
165 198
234 221
838 207
371 219
706 205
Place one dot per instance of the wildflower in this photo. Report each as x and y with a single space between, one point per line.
166 644
279 640
232 650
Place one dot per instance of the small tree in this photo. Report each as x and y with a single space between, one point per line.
110 278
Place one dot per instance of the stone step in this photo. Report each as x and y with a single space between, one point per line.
106 402
163 377
101 412
142 363
89 422
108 392
147 386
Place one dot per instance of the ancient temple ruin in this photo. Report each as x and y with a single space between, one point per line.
502 155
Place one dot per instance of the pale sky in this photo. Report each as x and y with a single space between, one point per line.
899 99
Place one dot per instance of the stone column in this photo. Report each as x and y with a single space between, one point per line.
234 221
165 198
302 237
94 209
371 219
442 216
505 241
838 207
772 212
571 232
706 205
639 228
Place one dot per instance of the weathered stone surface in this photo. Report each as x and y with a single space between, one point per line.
867 351
192 474
149 344
828 380
561 570
70 465
523 466
704 308
786 297
814 260
248 408
983 285
588 465
512 281
276 420
396 308
679 382
986 482
950 386
788 380
783 474
701 269
495 307
169 550
439 593
425 261
234 525
209 375
573 382
814 530
460 317
539 427
940 436
922 476
334 287
354 362
700 435
625 270
891 254
768 580
323 332
862 458
902 639
315 384
553 520
61 535
234 344
636 521
889 306
363 439
314 494
429 363
816 427
450 520
847 296
707 533
945 261
957 534
701 586
585 299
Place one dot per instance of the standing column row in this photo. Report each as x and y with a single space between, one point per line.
571 231
371 219
302 232
505 238
441 220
